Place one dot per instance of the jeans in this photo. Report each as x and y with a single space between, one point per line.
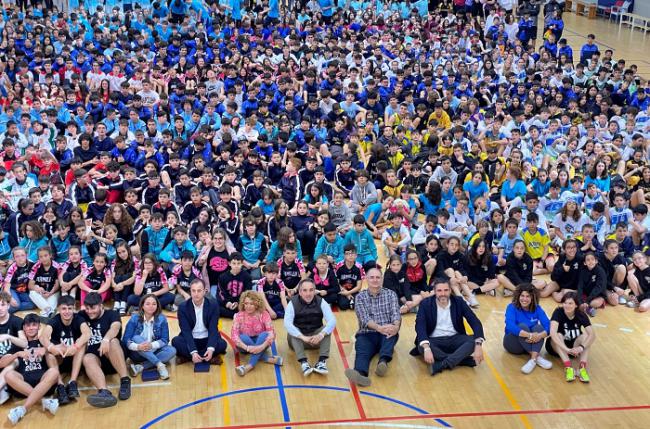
369 344
23 300
518 346
255 341
151 358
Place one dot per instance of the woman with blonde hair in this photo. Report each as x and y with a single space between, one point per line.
252 331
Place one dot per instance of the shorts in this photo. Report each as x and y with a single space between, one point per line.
32 382
65 366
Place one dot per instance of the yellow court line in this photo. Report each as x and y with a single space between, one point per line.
502 384
224 388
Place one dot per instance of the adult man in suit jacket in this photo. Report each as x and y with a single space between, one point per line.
199 339
440 331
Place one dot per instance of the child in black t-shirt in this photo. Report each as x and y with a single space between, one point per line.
327 285
232 284
44 283
291 268
571 336
350 275
97 278
34 375
64 337
273 291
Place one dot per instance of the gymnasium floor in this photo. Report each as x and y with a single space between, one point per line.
495 394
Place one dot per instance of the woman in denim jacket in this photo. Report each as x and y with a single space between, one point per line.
147 339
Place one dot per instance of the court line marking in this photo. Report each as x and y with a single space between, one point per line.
502 384
598 325
265 388
628 330
116 386
444 415
281 392
355 391
224 384
585 37
353 387
387 425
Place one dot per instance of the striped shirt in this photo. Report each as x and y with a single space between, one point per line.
383 309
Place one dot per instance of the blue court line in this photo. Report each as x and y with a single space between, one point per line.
278 380
288 386
403 404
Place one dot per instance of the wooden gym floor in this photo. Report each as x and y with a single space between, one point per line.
495 394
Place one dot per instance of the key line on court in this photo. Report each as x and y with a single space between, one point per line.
496 413
224 382
346 365
281 391
502 384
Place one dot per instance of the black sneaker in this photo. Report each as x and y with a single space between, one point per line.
73 390
102 399
125 389
62 395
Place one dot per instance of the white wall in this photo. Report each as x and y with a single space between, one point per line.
642 7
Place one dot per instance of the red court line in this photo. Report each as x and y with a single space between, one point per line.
234 347
442 416
353 387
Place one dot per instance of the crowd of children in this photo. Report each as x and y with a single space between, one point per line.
250 151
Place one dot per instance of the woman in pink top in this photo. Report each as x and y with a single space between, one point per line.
252 331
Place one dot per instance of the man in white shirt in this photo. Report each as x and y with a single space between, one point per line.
199 339
440 331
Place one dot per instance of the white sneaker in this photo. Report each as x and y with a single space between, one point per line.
622 300
507 292
51 405
15 414
529 366
473 302
4 395
116 306
162 371
135 369
544 363
306 368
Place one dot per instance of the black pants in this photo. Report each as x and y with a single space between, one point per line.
451 349
183 349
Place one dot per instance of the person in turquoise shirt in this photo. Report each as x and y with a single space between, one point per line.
327 9
513 187
235 6
33 239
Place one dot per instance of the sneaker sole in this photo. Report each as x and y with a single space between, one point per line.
357 378
322 371
122 397
102 402
382 369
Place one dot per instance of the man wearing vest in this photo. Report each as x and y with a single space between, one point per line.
303 320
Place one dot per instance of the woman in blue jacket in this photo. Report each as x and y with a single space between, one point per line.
526 327
147 338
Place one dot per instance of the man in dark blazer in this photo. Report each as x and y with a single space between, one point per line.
440 331
199 340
